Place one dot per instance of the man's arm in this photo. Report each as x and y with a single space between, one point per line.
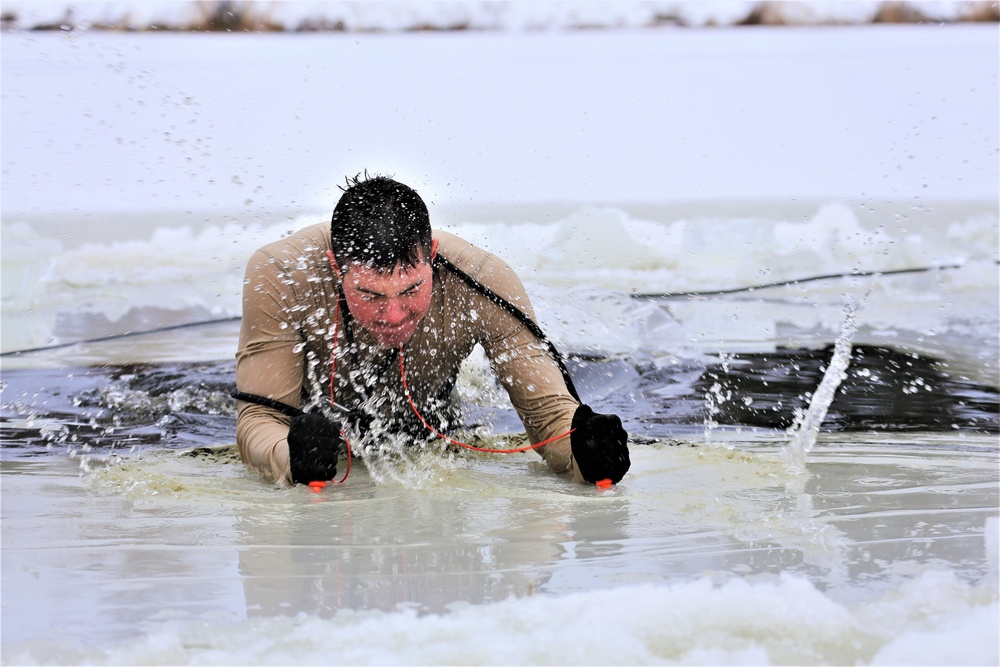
268 365
596 450
537 391
536 382
535 378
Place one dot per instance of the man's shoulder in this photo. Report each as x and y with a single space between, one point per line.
451 243
483 266
304 243
461 253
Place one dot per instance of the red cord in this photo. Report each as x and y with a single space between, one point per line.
333 368
406 390
317 486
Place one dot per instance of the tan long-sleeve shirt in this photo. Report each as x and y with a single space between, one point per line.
286 349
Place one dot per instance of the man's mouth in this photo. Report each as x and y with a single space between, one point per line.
393 327
394 333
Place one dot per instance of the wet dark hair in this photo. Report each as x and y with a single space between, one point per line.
380 223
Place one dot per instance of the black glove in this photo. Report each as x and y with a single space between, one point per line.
600 445
314 444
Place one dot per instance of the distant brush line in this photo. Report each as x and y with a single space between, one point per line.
224 16
662 295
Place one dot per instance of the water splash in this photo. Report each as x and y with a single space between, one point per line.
715 398
805 430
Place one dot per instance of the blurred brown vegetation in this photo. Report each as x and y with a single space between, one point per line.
247 16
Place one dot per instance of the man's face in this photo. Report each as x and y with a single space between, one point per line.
389 306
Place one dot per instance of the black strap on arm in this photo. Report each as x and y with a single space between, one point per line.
266 402
517 313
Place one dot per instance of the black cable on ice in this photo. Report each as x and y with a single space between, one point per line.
127 334
796 281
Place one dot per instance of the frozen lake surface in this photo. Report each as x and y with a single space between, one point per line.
648 187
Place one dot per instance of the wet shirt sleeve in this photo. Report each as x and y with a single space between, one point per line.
269 363
526 369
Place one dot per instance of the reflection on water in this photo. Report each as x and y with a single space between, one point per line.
367 549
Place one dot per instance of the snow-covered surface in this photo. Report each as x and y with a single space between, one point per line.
95 122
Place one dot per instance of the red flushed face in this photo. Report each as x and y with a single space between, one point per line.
389 306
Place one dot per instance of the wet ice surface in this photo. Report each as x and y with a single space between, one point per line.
117 522
114 525
124 558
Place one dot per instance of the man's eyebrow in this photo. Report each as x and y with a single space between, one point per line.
372 292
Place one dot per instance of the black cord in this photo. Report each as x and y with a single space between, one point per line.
795 281
127 334
266 402
518 314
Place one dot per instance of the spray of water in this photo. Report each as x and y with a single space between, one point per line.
805 429
715 398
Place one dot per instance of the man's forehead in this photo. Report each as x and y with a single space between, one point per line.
361 274
401 268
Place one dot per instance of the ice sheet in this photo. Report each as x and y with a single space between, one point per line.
704 554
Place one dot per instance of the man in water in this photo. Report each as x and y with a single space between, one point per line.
376 313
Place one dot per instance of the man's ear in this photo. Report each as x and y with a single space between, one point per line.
434 248
334 265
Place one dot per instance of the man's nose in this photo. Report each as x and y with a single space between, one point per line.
394 312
